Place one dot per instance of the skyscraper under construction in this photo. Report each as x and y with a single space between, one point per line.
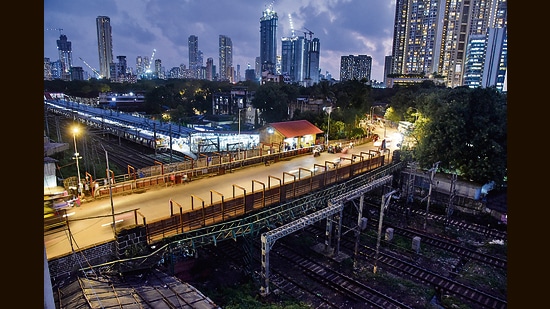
268 40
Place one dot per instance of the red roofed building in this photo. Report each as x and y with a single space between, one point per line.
290 134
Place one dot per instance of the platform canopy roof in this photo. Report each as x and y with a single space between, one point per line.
295 128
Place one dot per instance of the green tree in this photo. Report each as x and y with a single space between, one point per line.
272 102
466 131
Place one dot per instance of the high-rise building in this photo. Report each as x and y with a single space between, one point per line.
287 56
314 56
268 41
193 44
65 57
355 67
432 36
387 69
104 45
238 73
210 69
118 70
77 73
475 57
158 70
226 58
300 60
140 66
47 69
495 65
250 75
258 68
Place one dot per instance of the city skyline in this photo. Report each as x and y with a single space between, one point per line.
355 27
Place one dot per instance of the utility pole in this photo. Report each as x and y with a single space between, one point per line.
110 189
452 194
385 201
432 170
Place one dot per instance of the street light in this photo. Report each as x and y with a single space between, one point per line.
75 131
328 109
110 189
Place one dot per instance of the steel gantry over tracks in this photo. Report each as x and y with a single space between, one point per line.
335 207
270 218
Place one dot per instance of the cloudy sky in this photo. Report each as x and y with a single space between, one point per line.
344 27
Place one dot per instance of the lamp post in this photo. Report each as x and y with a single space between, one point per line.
76 154
240 110
328 109
371 114
110 189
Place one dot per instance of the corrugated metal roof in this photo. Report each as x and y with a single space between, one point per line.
153 289
295 128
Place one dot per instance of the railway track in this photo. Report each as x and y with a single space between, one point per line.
445 243
438 281
306 274
463 252
361 294
401 266
122 153
332 289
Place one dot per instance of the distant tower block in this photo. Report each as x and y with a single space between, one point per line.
416 244
389 233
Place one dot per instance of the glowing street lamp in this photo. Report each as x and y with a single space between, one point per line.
328 109
76 155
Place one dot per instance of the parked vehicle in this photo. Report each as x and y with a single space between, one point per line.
317 151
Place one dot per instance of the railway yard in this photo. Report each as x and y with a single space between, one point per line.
461 261
460 264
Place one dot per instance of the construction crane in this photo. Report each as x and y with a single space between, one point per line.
148 68
291 25
56 29
308 32
89 66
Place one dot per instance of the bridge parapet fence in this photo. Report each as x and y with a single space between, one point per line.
231 208
236 223
217 164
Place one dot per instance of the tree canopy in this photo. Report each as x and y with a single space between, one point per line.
466 131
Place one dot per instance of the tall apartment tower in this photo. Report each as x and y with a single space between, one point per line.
355 67
387 70
104 45
314 56
268 41
495 65
288 58
432 36
210 69
258 68
226 58
300 59
65 57
140 66
47 69
193 44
